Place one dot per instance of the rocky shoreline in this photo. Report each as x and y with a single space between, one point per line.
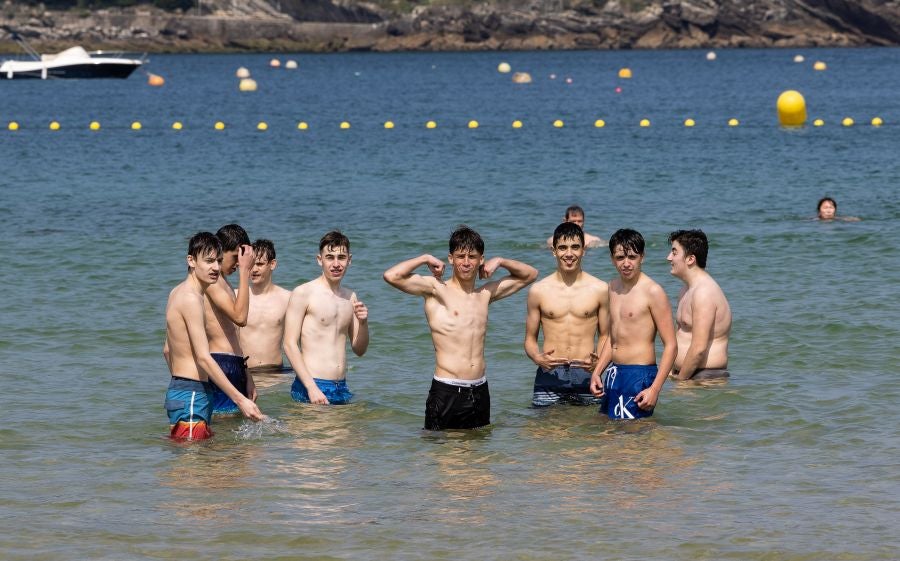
258 26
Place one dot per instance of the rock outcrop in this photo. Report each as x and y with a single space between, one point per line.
340 25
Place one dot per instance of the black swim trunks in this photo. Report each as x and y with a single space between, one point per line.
451 406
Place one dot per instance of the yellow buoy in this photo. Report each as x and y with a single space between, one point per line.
791 109
247 85
388 124
644 122
219 126
558 123
624 73
302 126
847 122
291 65
177 125
54 126
473 124
599 123
136 126
262 126
818 123
819 65
733 122
345 125
504 67
877 122
430 125
94 126
13 126
689 122
517 124
155 79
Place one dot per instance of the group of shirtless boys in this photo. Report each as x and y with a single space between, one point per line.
598 338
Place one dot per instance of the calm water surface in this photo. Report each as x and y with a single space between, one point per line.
796 458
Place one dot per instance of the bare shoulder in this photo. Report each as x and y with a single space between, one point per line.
594 282
652 288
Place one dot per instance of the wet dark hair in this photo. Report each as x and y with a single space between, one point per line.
264 248
202 244
466 238
628 239
568 230
334 238
693 242
829 200
574 209
232 236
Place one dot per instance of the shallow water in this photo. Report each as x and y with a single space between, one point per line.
794 458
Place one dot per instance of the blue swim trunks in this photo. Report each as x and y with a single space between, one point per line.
235 369
336 391
621 384
189 406
563 384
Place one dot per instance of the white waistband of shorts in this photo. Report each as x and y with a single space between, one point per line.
462 383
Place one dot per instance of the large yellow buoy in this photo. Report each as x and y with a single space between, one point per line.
733 122
247 85
345 125
599 123
791 109
291 65
689 122
644 123
517 124
262 126
94 126
504 67
302 126
819 65
431 125
847 122
54 126
177 126
818 123
558 124
13 126
877 121
219 126
136 126
624 73
389 124
473 124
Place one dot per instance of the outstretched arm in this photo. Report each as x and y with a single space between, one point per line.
401 276
520 275
293 322
236 307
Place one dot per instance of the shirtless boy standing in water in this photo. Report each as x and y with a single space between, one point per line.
225 312
639 309
321 316
262 335
189 399
457 314
704 316
572 309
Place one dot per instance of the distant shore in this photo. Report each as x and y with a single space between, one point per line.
728 24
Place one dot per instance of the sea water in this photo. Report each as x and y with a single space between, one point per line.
794 458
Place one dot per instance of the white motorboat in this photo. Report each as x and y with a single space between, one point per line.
74 62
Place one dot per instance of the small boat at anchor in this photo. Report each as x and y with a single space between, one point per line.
74 62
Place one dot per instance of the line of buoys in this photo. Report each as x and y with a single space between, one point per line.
471 124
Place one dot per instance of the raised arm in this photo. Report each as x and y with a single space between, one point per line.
359 326
520 275
703 319
193 318
401 276
235 306
293 323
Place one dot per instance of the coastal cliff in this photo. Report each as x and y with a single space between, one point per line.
325 25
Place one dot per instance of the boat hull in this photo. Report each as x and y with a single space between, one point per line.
78 70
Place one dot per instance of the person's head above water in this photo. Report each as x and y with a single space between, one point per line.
827 208
466 238
575 215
